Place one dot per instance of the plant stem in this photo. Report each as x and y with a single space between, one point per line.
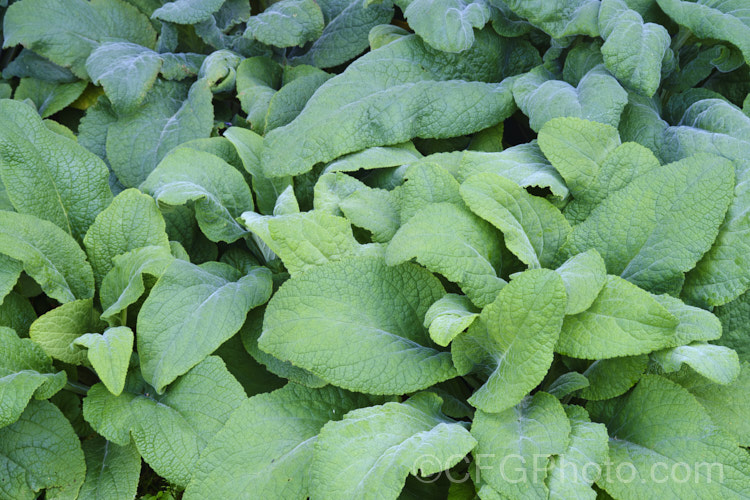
77 388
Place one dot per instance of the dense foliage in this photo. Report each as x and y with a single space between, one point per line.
337 249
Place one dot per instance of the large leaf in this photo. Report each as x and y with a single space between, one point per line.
724 20
49 255
171 114
47 175
584 276
514 446
287 23
644 432
112 471
131 221
597 97
190 312
446 25
398 104
25 371
715 126
266 447
48 97
513 340
534 229
41 452
559 18
217 190
375 342
452 241
735 327
376 448
653 241
66 31
187 11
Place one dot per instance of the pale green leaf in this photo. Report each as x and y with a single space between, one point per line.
376 157
287 23
10 270
374 449
584 276
420 77
659 422
49 255
374 342
446 25
109 354
515 445
299 84
533 228
258 79
559 18
47 175
597 97
718 364
187 11
216 189
513 341
716 126
426 183
735 326
448 317
609 378
112 471
566 384
171 114
450 240
16 312
48 97
126 71
39 452
66 31
654 241
695 324
624 320
131 221
57 330
266 447
124 285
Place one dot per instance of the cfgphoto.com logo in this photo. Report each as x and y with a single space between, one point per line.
516 469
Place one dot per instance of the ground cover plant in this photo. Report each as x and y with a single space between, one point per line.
361 249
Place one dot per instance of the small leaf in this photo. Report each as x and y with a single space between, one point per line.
109 354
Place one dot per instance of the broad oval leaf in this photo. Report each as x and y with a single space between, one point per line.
370 342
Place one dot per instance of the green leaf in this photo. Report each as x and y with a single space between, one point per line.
694 323
110 415
49 255
124 284
10 270
41 452
559 18
300 83
57 330
597 97
345 35
570 475
187 11
266 447
216 189
735 327
392 353
171 114
653 242
112 471
633 50
109 354
48 97
533 228
258 79
67 31
25 371
726 20
624 320
725 403
718 364
641 122
305 240
644 431
376 448
446 25
718 127
448 317
131 221
16 312
584 276
126 71
567 384
287 23
449 239
609 378
374 158
190 312
513 340
426 183
396 105
47 175
515 445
